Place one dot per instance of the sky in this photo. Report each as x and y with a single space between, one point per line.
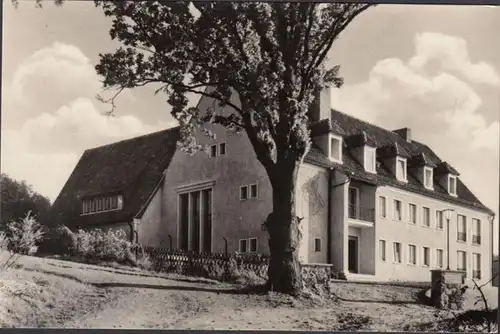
434 69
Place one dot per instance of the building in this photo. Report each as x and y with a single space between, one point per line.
371 200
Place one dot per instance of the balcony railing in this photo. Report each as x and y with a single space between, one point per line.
361 213
462 236
476 239
476 274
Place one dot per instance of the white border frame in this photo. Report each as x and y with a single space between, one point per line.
339 139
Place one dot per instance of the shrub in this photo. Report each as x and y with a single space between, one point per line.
24 235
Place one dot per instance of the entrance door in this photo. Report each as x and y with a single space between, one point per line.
352 253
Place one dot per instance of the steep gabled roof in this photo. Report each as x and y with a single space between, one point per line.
132 168
391 143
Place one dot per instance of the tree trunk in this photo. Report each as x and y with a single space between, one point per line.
284 273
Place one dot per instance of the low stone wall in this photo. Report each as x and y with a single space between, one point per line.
447 290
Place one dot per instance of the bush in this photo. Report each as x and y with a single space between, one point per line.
24 235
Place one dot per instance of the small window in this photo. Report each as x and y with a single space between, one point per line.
412 254
426 257
427 217
222 148
401 169
439 258
317 244
335 148
476 231
413 213
120 202
382 206
243 193
370 159
461 228
476 266
397 252
99 204
428 178
461 260
213 151
452 185
398 210
253 245
382 250
439 220
114 202
243 246
254 191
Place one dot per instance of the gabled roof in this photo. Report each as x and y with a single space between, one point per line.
393 143
132 168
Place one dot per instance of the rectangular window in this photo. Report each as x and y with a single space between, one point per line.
427 217
452 185
253 245
426 256
461 228
398 210
222 148
243 193
183 221
428 178
476 231
401 169
412 254
120 202
242 246
114 202
317 244
397 252
461 260
213 151
382 206
253 191
382 250
335 148
353 201
413 213
370 159
439 258
476 266
439 220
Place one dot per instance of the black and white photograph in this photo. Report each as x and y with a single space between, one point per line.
218 165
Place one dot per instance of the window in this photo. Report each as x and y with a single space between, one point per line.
476 266
195 221
461 228
412 254
428 178
222 148
397 252
427 217
452 185
335 148
382 201
398 214
439 258
426 256
253 191
243 193
102 204
243 246
401 169
476 231
370 159
317 244
413 213
253 245
353 201
439 220
461 260
382 250
213 151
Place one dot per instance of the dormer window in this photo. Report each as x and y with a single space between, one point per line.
452 185
370 159
102 204
335 148
428 178
401 169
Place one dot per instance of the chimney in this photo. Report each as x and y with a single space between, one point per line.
404 133
321 106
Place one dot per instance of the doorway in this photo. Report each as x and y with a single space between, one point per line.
352 253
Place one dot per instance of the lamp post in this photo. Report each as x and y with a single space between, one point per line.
447 214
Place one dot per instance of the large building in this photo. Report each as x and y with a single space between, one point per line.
374 203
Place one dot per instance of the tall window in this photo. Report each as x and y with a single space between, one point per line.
439 258
398 210
439 220
370 159
426 256
102 204
412 254
428 178
476 266
401 169
413 213
222 148
427 216
382 202
317 244
461 228
353 202
382 250
243 246
461 260
195 220
476 231
252 243
243 193
452 184
397 256
335 148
